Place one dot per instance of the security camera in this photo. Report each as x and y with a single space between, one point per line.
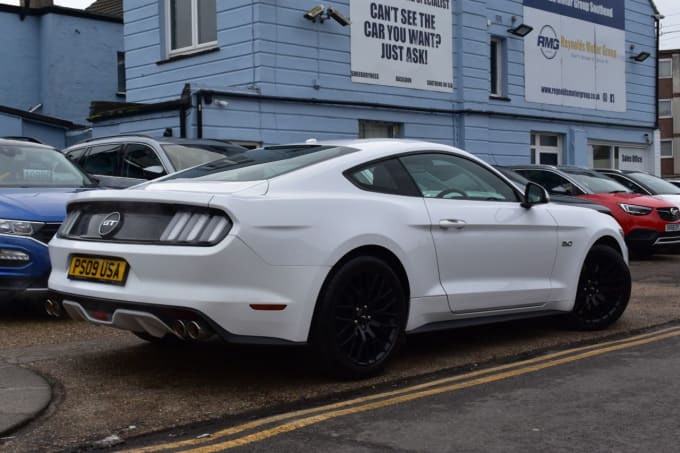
315 13
339 18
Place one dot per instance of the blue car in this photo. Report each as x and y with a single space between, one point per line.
35 182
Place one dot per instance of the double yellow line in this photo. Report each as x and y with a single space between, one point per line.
265 428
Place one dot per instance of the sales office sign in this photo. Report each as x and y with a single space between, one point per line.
575 56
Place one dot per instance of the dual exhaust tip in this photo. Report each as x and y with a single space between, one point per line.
193 330
54 308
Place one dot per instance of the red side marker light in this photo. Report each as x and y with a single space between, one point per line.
268 307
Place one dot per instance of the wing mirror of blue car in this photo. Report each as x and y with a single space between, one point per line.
534 194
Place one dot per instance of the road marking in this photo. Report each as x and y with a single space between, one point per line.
299 419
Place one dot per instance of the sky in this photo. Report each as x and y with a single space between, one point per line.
670 25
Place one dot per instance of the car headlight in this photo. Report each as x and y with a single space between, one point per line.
19 227
634 209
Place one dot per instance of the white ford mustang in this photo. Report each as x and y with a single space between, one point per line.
345 245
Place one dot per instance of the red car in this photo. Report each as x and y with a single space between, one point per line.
648 223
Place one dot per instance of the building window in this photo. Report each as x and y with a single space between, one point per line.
546 149
121 72
605 156
666 148
665 68
665 108
191 25
496 67
378 129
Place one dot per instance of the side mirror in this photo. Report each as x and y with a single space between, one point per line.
154 171
534 194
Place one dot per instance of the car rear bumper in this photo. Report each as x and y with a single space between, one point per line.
154 320
226 286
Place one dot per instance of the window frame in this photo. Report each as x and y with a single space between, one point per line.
122 80
393 129
670 67
496 90
195 45
670 108
660 150
536 148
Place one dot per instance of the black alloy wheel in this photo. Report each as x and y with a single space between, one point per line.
361 318
603 290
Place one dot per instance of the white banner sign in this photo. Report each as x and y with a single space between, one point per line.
575 56
402 43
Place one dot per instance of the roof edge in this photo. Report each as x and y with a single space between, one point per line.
73 12
42 118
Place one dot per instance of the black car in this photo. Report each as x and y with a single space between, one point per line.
521 181
641 182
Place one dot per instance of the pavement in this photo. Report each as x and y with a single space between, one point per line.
24 394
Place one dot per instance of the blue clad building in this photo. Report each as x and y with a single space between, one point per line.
513 81
55 62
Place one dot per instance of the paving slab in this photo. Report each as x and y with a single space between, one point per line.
23 396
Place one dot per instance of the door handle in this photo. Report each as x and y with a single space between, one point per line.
445 224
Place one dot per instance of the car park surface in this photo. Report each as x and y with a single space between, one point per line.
649 224
408 242
35 182
109 384
124 160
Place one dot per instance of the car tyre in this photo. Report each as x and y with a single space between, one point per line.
360 319
603 290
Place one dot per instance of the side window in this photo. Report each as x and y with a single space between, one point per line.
630 185
387 176
140 161
76 154
102 160
446 176
552 182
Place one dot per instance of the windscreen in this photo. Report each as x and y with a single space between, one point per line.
657 185
31 166
263 163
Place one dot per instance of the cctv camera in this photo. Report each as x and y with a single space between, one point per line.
315 13
339 18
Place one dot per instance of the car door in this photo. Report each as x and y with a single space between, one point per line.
493 254
102 160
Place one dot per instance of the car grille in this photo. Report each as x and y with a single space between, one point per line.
46 232
669 214
145 223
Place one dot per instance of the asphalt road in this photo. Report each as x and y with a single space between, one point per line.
602 399
107 382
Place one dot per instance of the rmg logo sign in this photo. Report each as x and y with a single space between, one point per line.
547 42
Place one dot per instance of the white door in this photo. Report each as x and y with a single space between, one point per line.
492 253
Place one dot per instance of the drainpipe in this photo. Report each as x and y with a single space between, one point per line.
185 99
199 114
657 19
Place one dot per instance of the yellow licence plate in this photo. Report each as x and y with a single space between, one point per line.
98 269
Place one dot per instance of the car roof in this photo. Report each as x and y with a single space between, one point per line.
159 140
25 144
